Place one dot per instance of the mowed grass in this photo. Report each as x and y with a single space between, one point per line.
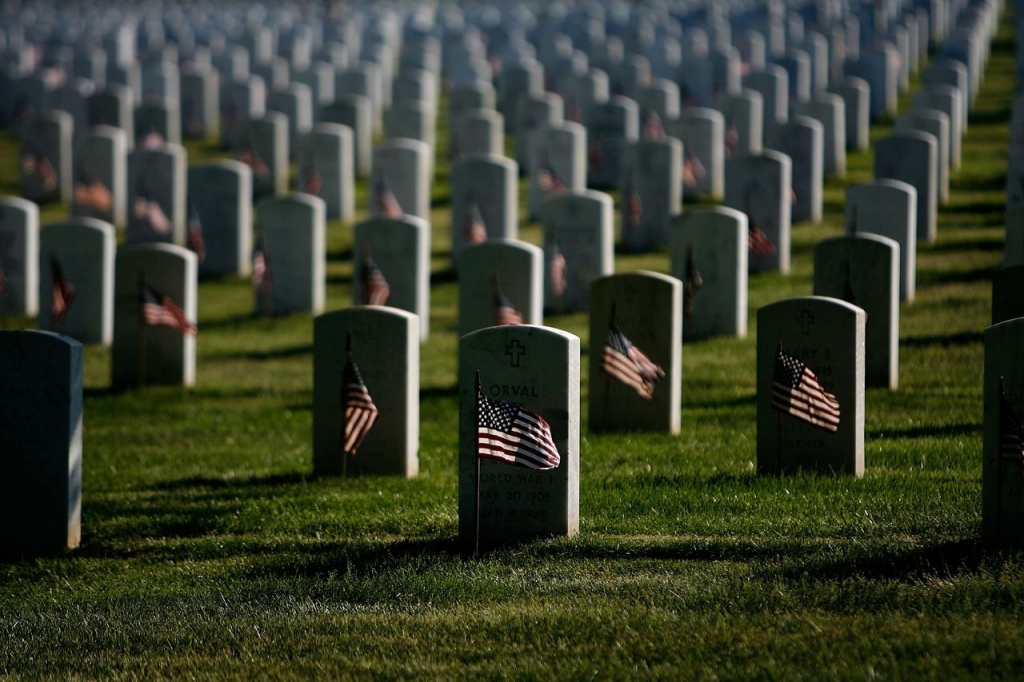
209 550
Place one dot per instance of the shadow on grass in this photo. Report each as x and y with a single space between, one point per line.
272 354
955 277
439 392
446 276
962 339
945 559
237 484
230 322
740 401
976 245
927 431
342 255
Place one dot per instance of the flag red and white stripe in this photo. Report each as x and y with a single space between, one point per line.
474 228
653 128
146 208
504 310
627 363
194 236
384 200
360 411
374 288
548 180
63 292
557 272
158 309
796 391
758 243
510 434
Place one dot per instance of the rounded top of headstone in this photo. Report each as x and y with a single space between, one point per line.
697 213
403 144
827 302
24 205
334 129
81 223
702 112
153 248
885 184
222 165
10 339
645 275
366 312
861 239
501 244
529 330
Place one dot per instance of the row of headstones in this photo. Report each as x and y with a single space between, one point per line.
536 368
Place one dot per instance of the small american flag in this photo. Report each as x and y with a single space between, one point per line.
158 309
91 193
595 155
796 391
262 277
374 288
473 227
1011 432
63 292
732 139
360 412
758 242
311 182
384 200
504 310
251 158
653 129
510 434
146 208
557 272
548 180
194 235
152 140
693 170
691 284
628 364
632 208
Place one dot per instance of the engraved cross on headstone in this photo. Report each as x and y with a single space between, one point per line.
514 350
806 319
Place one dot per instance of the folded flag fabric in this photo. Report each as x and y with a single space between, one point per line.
510 434
796 391
63 292
627 363
360 410
158 309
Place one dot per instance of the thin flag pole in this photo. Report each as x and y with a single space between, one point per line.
142 330
476 456
344 405
778 419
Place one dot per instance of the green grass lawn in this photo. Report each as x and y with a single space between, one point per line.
208 548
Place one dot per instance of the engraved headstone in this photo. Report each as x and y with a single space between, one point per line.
888 208
708 248
485 200
19 256
760 185
651 192
114 107
405 166
400 250
743 119
296 104
156 195
294 238
636 352
146 354
262 144
220 217
864 270
200 104
325 169
354 112
156 123
856 95
801 140
826 336
494 269
537 369
41 461
830 112
936 124
578 247
702 132
76 279
384 345
558 163
911 157
240 101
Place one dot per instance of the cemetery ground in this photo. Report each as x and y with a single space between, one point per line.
209 549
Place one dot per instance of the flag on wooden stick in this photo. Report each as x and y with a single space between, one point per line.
796 391
510 434
360 411
627 363
158 309
374 289
384 200
63 292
